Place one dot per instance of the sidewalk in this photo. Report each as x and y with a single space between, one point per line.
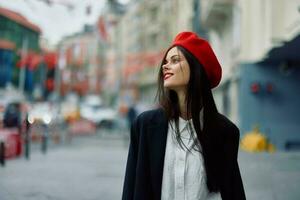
271 176
90 168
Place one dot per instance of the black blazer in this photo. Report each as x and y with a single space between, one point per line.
144 170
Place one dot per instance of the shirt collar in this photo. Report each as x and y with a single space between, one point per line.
184 123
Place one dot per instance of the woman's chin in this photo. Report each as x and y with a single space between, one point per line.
168 85
175 87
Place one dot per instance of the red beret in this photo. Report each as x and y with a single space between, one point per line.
202 50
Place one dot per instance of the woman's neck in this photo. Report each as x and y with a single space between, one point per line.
182 105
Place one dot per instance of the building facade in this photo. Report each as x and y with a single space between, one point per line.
19 48
256 42
80 63
148 28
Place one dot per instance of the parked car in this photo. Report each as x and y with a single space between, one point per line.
42 113
45 117
92 109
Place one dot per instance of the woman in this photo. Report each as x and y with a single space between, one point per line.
184 150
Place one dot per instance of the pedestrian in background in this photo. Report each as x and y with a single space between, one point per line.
131 114
186 149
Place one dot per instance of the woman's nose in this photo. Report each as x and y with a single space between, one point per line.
166 67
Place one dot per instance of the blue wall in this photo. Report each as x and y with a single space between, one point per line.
6 58
277 113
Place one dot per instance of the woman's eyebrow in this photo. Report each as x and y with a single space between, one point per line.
173 56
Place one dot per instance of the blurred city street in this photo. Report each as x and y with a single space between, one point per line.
74 75
92 167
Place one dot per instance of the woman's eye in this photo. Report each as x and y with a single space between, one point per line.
175 60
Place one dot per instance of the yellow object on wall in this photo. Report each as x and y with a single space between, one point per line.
255 141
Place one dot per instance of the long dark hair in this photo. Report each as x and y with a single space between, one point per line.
198 96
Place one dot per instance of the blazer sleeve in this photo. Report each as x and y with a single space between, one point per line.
130 174
233 188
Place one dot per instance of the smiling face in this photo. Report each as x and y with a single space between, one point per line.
176 70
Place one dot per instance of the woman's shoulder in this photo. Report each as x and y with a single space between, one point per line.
227 126
151 115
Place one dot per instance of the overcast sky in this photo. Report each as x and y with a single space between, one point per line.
56 20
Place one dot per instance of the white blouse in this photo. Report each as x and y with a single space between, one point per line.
184 176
